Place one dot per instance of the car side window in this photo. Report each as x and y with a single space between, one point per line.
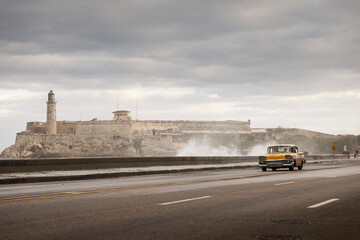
296 149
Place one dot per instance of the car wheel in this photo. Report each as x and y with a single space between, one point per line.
291 168
264 169
301 166
274 169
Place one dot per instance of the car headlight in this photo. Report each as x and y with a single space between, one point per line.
288 157
262 158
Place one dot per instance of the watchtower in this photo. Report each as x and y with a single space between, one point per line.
51 114
121 115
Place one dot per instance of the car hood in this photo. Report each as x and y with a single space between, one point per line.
276 156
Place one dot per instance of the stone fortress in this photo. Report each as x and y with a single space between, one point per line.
123 136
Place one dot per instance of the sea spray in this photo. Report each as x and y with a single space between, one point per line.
260 149
202 147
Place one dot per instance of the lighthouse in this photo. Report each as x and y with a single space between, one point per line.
51 114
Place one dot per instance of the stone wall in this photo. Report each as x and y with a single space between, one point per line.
215 126
180 127
29 145
103 129
278 133
38 145
65 127
154 127
127 128
36 127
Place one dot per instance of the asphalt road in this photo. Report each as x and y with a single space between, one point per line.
316 203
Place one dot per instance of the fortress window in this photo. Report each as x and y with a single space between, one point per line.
70 146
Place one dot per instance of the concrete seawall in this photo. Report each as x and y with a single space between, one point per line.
67 169
65 164
62 164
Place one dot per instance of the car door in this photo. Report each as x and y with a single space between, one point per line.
297 156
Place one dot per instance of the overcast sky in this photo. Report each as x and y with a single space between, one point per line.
279 63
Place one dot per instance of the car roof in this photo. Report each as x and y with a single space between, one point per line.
283 145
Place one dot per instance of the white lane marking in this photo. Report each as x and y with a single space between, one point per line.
185 200
323 203
278 184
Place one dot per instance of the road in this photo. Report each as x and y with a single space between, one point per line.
315 203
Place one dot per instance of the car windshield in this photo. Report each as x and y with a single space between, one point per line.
278 149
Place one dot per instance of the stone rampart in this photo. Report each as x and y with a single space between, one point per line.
152 127
103 129
278 133
24 137
65 127
29 145
36 127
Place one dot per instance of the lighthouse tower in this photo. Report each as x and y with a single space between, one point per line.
51 114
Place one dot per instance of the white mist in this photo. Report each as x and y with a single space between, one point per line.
201 147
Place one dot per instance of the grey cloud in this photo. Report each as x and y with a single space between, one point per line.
84 25
261 35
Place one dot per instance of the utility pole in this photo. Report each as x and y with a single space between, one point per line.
136 109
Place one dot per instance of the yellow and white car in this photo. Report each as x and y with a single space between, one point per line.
282 156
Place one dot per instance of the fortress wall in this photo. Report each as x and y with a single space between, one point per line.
215 126
31 144
24 138
147 127
36 127
65 127
103 129
309 133
153 127
276 133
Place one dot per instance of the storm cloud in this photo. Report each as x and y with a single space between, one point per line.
279 63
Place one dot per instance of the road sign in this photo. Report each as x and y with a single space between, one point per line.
334 146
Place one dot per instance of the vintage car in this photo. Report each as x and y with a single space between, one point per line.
282 156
